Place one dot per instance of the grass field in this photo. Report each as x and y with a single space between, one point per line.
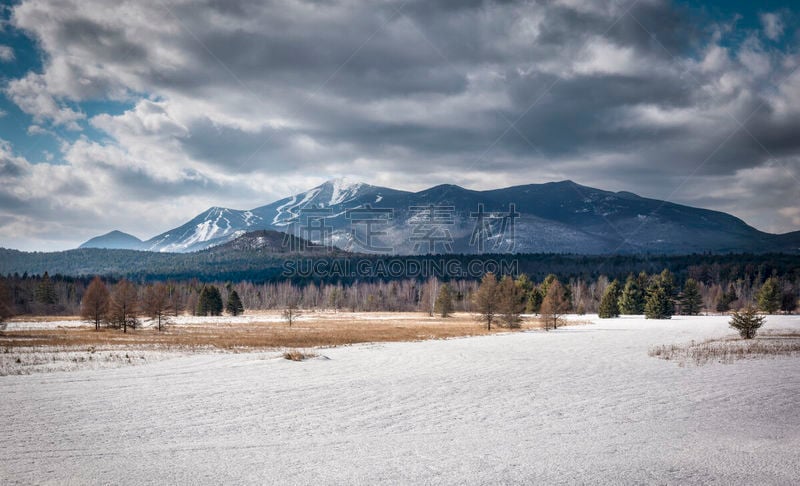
254 331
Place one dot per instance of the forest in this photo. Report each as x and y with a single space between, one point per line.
720 282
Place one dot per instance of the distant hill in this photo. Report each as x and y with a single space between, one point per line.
258 255
559 217
116 240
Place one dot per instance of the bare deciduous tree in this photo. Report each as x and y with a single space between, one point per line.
486 297
155 303
554 306
291 311
94 306
122 310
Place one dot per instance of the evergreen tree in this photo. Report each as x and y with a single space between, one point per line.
486 299
747 322
658 304
444 301
534 303
609 304
769 297
210 302
631 300
524 283
667 282
46 291
234 305
789 301
691 301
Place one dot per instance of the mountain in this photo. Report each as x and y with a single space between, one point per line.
114 240
271 242
560 217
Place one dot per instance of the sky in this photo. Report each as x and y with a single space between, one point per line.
140 116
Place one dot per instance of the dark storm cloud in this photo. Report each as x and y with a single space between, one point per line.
227 92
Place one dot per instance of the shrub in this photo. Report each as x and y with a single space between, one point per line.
747 322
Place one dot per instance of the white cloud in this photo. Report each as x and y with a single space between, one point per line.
6 54
772 25
32 96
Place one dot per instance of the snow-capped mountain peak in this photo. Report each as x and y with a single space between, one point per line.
550 217
343 190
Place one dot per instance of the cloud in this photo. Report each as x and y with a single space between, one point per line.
240 102
6 54
31 95
772 25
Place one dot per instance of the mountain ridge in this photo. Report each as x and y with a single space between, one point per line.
559 216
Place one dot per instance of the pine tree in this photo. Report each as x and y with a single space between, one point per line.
658 304
747 322
486 299
210 302
691 301
534 303
631 300
94 305
769 297
789 301
609 304
667 282
234 305
46 291
525 286
444 301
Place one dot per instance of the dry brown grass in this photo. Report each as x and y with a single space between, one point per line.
775 343
315 331
297 355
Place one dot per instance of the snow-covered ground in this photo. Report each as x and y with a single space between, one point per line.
20 324
581 405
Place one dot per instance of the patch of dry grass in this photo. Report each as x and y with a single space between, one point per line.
297 355
775 343
314 331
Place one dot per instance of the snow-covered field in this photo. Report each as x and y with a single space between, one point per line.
23 324
581 405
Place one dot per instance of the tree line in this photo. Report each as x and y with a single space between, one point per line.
655 294
124 305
